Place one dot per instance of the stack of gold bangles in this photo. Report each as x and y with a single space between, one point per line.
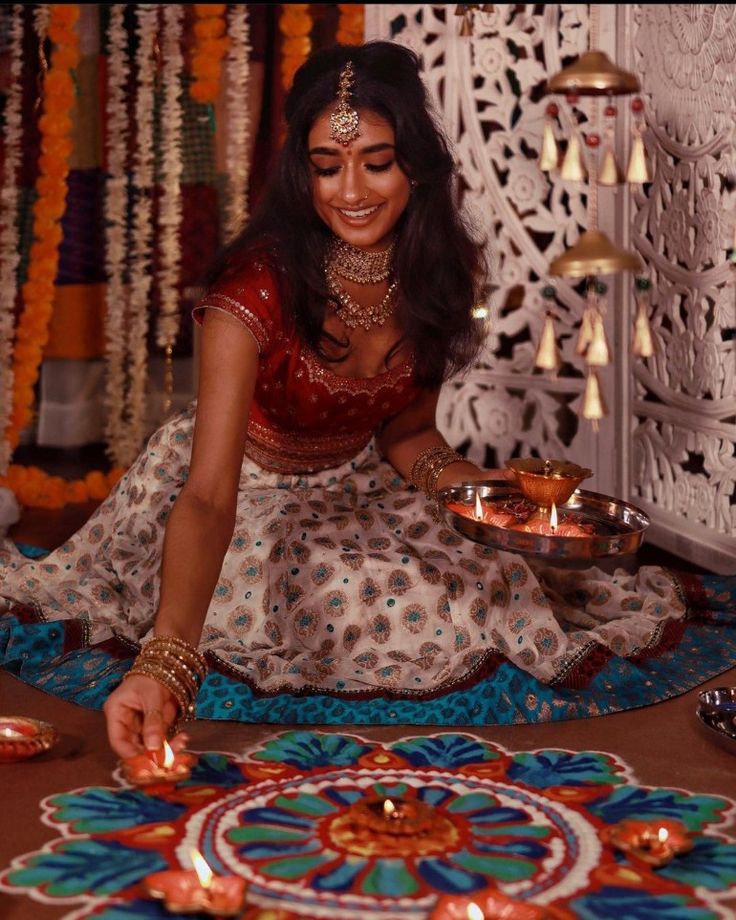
429 465
175 664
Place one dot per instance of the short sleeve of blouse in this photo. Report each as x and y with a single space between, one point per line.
252 298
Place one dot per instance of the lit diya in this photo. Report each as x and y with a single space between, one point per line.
197 890
655 842
388 827
521 515
488 904
22 737
160 766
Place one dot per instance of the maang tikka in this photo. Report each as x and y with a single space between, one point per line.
344 121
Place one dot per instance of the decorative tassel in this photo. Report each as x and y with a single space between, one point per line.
548 356
594 408
550 156
642 344
598 352
638 169
610 172
573 165
585 335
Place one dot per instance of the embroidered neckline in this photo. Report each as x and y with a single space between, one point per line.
319 371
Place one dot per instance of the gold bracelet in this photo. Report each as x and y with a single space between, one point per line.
184 698
426 461
188 652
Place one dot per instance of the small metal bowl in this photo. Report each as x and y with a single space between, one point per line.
719 701
717 712
22 737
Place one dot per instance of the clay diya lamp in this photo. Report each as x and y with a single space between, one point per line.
655 843
483 514
402 817
162 766
197 890
487 904
22 737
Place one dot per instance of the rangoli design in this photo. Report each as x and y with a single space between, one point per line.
526 822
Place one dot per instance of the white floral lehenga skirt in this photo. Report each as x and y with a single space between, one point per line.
343 581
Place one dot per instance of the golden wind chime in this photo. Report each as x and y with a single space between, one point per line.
590 156
466 11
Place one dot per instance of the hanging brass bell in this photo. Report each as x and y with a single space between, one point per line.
594 408
598 354
550 156
638 169
573 165
466 26
610 172
548 356
585 334
642 344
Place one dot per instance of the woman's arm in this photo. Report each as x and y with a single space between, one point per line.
140 711
407 434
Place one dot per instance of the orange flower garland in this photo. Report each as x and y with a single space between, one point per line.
55 126
351 24
211 45
36 489
295 23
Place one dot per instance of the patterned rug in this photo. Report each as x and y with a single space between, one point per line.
529 823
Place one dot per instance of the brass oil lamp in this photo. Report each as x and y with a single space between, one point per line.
548 484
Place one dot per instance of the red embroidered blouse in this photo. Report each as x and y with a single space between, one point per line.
304 416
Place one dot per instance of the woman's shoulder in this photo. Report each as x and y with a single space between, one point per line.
249 291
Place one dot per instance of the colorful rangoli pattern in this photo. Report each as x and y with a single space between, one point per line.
528 823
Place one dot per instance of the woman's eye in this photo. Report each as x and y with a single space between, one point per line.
324 170
379 167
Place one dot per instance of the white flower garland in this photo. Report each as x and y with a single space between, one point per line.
237 119
142 233
116 206
170 203
9 241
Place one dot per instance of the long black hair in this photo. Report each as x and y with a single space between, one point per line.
440 268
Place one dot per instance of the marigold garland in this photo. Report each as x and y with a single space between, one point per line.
210 46
51 187
35 488
237 120
351 24
295 23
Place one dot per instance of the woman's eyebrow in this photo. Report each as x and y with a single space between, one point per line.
334 151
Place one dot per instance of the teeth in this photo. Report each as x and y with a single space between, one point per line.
364 212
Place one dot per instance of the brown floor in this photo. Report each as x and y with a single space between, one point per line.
665 745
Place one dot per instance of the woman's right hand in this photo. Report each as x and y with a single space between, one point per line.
139 714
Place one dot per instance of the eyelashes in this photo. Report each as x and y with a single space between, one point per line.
370 167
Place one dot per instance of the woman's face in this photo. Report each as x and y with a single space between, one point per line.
359 191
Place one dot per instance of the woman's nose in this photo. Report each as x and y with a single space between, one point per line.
353 188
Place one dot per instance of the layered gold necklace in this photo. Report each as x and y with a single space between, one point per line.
360 267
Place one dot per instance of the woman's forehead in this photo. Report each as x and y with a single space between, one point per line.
373 128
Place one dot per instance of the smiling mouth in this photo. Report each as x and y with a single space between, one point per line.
359 213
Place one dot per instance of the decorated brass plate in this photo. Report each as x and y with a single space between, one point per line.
591 525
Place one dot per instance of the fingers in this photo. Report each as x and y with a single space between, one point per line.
139 713
154 729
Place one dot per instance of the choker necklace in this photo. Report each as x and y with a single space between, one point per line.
354 314
359 265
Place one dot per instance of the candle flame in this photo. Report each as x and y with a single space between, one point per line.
201 867
478 508
553 518
663 834
168 756
388 808
474 912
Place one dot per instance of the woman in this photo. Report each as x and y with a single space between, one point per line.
275 528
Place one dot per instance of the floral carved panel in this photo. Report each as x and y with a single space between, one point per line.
684 431
489 94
